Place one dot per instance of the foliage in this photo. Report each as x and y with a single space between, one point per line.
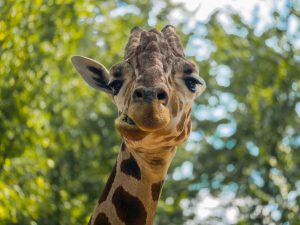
246 129
57 137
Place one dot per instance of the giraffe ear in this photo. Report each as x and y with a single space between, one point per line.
94 73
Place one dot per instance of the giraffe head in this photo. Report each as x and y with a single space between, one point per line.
153 88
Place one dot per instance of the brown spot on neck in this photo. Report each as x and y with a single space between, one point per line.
123 147
101 219
156 189
129 208
108 185
131 168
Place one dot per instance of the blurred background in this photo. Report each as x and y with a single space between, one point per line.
58 143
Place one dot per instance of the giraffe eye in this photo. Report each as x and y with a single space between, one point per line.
191 83
115 86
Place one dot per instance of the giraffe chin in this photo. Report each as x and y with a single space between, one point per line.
138 128
149 117
128 128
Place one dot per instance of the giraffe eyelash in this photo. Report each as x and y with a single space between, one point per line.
115 86
191 83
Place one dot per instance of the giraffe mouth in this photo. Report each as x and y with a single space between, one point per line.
142 119
128 120
148 117
128 128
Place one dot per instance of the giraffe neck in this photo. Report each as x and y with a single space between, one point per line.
131 194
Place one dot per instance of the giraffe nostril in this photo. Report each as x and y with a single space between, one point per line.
138 94
150 94
161 95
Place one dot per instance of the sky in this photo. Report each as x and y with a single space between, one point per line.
200 11
205 8
255 12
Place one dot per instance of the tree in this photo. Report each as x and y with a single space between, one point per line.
57 137
246 140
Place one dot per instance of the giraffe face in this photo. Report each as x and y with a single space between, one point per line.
153 88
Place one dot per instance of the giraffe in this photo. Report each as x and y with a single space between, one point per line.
153 90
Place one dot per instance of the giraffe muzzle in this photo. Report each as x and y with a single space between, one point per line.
149 116
150 94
